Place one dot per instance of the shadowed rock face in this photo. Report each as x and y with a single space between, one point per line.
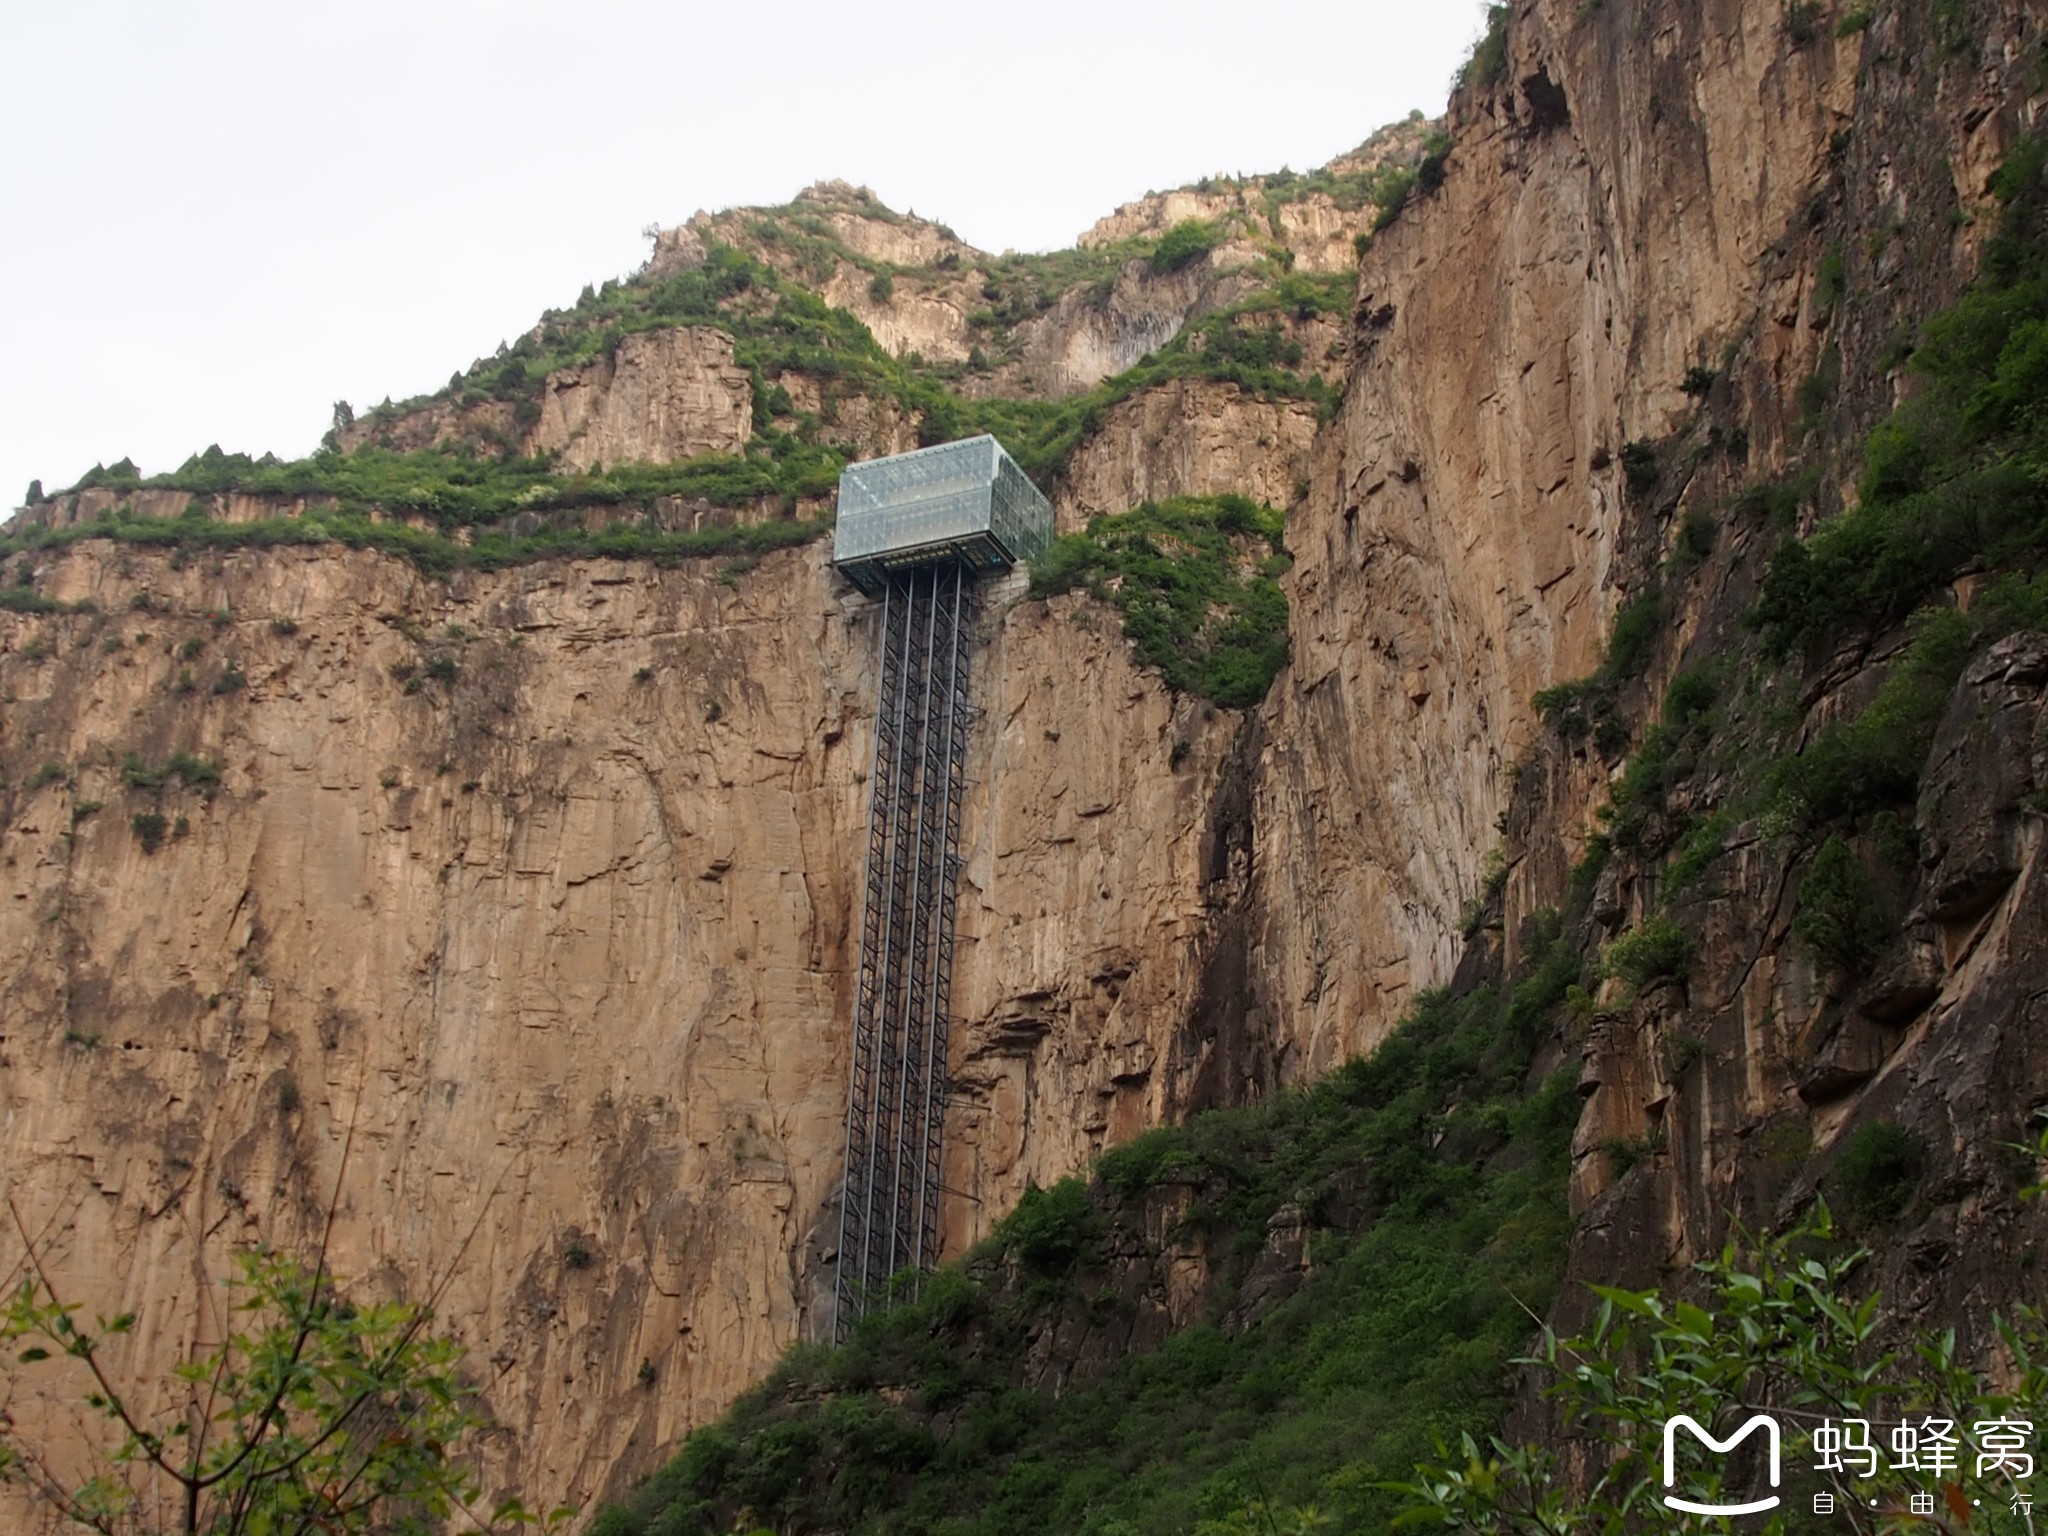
562 955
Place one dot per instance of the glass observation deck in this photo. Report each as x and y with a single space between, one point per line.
965 501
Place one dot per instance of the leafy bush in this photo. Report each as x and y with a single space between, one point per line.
149 828
1194 579
1949 477
1639 466
1657 949
1184 244
1393 196
321 1413
1878 1172
25 599
1488 65
431 551
1854 769
192 772
1052 1230
1783 1322
1839 917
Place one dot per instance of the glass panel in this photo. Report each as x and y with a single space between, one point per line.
951 491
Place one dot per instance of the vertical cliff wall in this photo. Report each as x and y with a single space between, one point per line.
533 889
1638 192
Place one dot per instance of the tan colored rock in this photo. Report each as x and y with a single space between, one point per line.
568 950
932 324
1191 437
668 394
1541 307
1083 339
1152 216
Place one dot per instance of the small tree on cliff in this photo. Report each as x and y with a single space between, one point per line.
314 1416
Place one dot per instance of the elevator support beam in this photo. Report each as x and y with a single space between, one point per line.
895 1105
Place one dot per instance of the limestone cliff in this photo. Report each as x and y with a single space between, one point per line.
541 880
538 887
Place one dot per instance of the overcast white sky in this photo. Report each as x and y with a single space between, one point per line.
218 218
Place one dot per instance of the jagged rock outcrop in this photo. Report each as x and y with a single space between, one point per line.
666 394
1309 221
658 396
1192 437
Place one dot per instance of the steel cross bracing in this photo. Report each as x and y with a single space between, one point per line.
895 1103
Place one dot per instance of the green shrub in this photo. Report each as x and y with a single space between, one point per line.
1704 842
1184 244
1194 578
1637 623
1052 1230
1840 917
1656 949
195 773
1778 501
1690 697
1700 381
149 828
1855 769
1393 196
1696 537
1877 1172
1488 65
1639 466
1830 280
882 288
1948 477
25 599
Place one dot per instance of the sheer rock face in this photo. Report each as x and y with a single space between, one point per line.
661 395
1601 229
667 394
1192 437
562 954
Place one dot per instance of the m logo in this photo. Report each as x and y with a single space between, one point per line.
1764 1421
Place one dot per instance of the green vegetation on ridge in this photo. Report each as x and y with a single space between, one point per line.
1194 578
1432 1179
428 549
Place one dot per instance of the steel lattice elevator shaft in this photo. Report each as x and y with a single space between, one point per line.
895 1103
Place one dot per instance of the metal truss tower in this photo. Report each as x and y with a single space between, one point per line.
895 1105
914 530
